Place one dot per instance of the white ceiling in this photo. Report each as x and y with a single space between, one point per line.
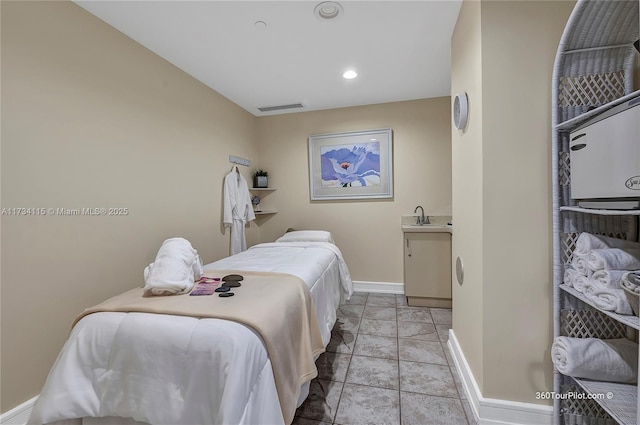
400 49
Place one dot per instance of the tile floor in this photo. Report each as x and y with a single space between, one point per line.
386 364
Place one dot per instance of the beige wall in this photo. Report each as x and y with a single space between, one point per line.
367 232
518 44
517 239
92 119
467 169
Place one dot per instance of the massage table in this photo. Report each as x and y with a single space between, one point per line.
208 370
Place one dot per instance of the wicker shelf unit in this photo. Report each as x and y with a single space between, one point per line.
593 72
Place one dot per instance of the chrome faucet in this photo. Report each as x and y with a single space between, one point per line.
421 219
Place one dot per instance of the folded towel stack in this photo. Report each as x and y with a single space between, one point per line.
175 270
597 268
612 360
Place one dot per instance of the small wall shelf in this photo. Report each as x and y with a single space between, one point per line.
265 191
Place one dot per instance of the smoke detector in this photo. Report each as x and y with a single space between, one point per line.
327 10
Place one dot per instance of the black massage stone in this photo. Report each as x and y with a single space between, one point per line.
226 294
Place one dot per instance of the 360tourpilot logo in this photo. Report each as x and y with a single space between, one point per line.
573 395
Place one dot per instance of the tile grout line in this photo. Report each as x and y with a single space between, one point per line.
333 421
399 379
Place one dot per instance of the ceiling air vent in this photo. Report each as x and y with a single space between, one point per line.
280 107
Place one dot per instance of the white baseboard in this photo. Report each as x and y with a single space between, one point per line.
378 287
19 415
491 411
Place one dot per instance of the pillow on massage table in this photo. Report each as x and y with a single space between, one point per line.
306 236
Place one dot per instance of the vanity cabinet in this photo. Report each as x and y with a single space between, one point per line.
427 269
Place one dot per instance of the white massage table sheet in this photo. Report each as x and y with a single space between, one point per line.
319 264
163 369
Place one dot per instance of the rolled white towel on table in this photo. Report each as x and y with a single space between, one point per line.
614 259
612 360
587 242
175 270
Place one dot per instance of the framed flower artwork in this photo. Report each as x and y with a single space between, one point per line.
353 165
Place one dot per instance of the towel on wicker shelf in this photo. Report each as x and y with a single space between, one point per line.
631 281
582 284
614 259
176 268
570 275
613 360
607 278
580 264
587 241
610 299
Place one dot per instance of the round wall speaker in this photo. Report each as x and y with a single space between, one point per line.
460 111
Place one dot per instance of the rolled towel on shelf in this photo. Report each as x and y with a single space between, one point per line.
607 278
570 275
176 268
612 360
580 264
631 281
583 284
614 259
610 299
587 242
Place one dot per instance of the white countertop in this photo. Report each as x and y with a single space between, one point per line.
438 224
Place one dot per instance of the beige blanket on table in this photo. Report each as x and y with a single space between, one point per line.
276 305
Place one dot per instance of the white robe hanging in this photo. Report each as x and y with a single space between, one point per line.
238 210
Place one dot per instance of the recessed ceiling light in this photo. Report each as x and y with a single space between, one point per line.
327 10
261 25
350 74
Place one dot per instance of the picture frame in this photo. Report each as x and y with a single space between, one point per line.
351 165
